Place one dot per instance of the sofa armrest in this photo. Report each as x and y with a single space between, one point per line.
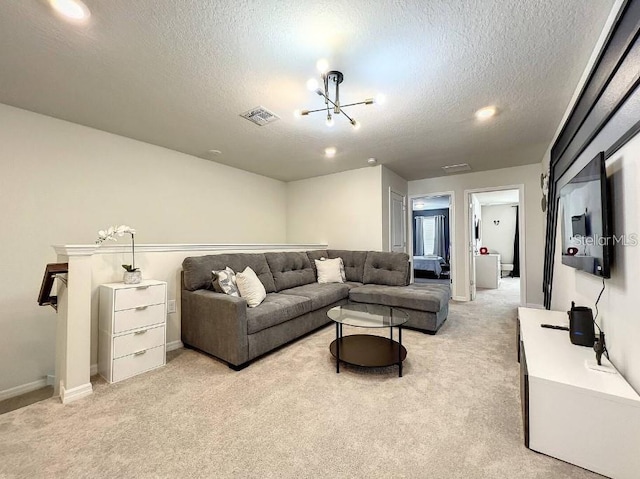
216 323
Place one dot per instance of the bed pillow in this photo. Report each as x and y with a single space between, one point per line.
329 270
224 281
250 287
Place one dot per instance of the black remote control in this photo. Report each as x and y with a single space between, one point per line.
554 326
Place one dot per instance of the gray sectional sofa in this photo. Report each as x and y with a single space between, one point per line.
296 304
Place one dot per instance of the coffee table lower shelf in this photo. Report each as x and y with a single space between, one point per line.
369 351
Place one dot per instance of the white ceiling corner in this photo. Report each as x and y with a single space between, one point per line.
178 74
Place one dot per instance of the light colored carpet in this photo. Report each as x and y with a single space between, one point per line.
454 414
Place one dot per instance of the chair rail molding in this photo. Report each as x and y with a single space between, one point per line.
83 249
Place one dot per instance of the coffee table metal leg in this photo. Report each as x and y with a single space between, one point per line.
338 347
391 334
400 351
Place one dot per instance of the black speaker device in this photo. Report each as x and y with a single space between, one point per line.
581 330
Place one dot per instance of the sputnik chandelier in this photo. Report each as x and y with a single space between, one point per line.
331 84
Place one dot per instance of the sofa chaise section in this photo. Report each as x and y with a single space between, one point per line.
426 304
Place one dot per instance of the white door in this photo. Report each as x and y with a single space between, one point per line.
471 246
397 225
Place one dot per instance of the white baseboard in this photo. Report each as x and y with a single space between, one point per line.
459 298
22 389
174 345
79 392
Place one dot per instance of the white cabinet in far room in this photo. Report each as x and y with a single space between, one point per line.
487 270
132 329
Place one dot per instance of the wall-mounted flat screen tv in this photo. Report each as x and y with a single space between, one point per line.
586 220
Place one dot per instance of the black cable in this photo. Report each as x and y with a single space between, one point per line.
596 305
605 351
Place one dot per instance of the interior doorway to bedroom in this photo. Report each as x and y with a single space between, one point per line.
496 243
432 231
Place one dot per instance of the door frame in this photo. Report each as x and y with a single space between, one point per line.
521 232
404 218
452 233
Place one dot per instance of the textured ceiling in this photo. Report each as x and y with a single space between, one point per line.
178 74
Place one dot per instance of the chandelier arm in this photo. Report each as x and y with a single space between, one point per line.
316 111
350 119
353 104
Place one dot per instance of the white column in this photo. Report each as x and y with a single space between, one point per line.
73 335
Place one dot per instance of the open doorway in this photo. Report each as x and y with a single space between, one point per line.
496 243
432 235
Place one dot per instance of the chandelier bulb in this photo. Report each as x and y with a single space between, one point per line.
322 66
329 121
312 84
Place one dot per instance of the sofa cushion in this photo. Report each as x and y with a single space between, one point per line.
290 269
420 297
353 262
197 269
275 309
391 269
320 294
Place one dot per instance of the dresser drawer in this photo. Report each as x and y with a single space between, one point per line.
130 298
138 341
138 317
128 366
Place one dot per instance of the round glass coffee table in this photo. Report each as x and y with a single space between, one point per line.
368 350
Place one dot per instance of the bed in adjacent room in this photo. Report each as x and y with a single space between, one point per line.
431 262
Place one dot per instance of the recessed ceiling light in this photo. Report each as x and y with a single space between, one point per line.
486 112
330 152
372 161
215 152
73 10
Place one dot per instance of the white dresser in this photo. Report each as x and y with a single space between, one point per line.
132 328
487 270
585 417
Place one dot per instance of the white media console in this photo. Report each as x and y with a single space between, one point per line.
585 417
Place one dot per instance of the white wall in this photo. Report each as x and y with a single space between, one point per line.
529 175
499 238
61 182
343 210
619 304
390 180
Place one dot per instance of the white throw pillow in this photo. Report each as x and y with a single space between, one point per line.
329 270
250 287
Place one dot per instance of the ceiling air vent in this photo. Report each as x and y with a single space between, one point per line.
260 115
456 168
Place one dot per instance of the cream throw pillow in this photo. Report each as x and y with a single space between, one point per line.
250 287
329 270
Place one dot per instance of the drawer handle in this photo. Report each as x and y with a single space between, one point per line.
140 332
142 287
139 353
142 307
